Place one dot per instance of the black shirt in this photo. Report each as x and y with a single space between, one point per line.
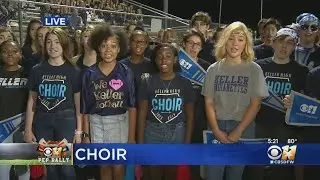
55 85
207 52
30 58
141 70
281 79
166 98
200 119
313 83
263 51
13 93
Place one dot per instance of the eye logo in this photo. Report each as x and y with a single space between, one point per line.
274 152
309 109
304 108
47 152
284 154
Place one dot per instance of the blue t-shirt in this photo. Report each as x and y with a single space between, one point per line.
107 95
166 98
55 85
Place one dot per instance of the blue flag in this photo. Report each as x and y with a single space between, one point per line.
209 138
274 102
190 69
304 110
9 126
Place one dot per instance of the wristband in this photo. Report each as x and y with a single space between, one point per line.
77 132
85 135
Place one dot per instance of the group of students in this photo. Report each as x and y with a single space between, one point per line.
95 97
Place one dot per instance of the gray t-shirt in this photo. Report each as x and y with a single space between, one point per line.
232 87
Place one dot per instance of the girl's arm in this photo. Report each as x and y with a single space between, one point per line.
142 117
250 113
211 113
189 110
132 124
31 104
247 119
78 114
213 123
85 123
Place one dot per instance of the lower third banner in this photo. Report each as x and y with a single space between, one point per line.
196 154
304 110
159 154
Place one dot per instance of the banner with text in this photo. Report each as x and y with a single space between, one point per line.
190 69
9 126
274 102
304 110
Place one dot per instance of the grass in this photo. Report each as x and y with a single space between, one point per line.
25 162
20 162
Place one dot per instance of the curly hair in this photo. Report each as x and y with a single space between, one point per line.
103 32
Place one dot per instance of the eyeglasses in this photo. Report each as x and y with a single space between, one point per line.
198 24
312 27
140 42
196 45
153 43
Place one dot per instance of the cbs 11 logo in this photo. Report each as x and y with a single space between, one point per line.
283 153
309 109
54 151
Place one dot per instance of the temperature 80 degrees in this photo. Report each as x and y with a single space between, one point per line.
292 141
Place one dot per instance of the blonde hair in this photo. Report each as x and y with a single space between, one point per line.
220 49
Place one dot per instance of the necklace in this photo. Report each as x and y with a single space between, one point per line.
166 87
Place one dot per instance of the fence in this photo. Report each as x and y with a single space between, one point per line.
18 13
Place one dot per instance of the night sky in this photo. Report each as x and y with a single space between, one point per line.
247 11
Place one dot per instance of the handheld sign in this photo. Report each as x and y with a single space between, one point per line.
274 102
303 111
209 138
52 21
190 69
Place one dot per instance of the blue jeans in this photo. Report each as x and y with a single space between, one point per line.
56 127
232 172
163 133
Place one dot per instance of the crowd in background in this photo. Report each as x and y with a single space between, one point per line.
80 16
112 80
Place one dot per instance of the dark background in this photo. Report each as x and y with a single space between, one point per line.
247 11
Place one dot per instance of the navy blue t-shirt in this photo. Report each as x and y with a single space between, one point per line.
30 58
166 98
55 85
107 95
141 70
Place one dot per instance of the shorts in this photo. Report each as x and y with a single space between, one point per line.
109 129
164 133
